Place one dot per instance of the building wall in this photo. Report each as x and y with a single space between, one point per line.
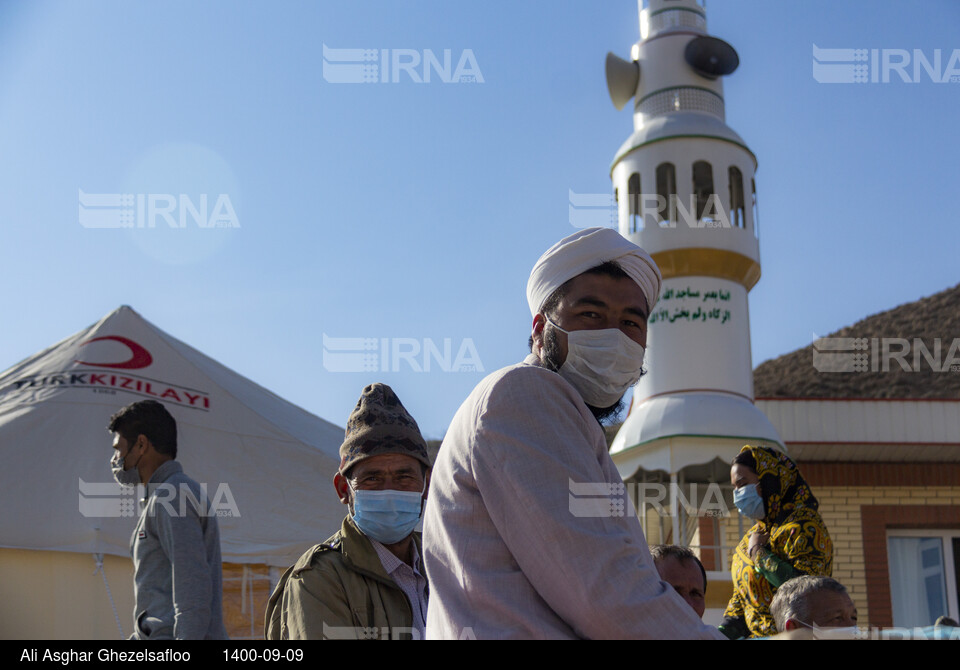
859 502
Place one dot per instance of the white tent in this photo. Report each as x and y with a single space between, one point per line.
266 463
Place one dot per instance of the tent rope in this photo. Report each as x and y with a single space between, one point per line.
246 592
98 560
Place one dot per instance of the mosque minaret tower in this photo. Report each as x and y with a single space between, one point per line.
685 188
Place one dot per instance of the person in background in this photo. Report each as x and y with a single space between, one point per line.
789 538
177 575
680 568
366 580
814 602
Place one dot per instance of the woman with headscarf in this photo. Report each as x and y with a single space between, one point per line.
788 540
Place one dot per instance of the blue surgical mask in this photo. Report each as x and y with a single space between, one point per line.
387 516
749 502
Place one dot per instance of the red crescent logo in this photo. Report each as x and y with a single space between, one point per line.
141 357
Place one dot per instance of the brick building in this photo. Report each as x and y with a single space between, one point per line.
879 446
878 440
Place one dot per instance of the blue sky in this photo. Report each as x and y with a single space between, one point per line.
406 210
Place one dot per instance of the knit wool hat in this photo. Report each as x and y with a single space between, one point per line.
380 424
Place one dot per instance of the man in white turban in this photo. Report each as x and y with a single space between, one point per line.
527 532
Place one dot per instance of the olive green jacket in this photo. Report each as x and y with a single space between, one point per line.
339 590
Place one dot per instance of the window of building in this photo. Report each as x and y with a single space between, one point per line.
923 575
666 192
702 186
756 211
738 215
635 212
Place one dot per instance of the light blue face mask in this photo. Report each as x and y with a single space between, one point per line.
749 501
387 516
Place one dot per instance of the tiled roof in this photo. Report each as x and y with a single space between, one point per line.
796 375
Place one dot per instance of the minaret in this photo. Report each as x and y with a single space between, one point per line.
686 193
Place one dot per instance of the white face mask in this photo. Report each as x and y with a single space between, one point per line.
839 633
601 364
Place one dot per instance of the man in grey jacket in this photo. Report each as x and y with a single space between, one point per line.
176 544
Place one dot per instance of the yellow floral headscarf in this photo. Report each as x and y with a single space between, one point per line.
781 485
797 536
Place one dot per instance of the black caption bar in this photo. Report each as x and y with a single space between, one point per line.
237 653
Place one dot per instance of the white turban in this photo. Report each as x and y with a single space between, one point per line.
587 249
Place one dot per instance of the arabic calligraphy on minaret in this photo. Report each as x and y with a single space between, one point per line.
686 192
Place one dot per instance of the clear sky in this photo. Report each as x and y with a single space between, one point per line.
413 212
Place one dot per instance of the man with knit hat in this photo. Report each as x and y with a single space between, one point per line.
510 549
365 581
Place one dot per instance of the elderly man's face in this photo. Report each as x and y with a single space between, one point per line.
686 579
377 473
829 609
597 302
